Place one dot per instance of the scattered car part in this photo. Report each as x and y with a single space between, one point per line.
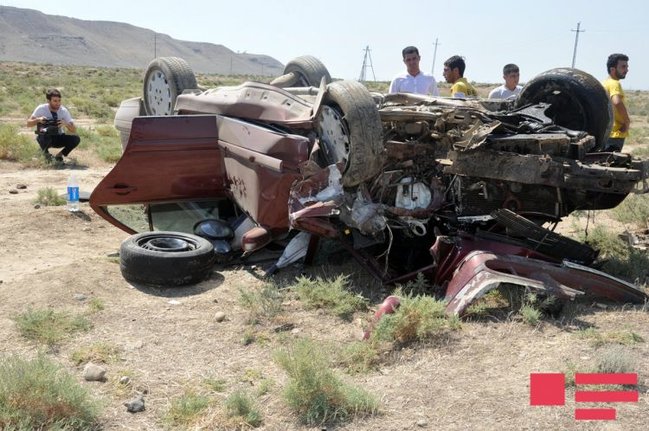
166 258
213 229
482 271
388 306
295 250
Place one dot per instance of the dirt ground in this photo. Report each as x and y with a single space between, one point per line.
169 340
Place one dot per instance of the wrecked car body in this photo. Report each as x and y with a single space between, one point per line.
404 182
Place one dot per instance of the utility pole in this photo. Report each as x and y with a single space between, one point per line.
367 62
432 70
574 52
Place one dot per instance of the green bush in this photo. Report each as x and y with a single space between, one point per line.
262 304
615 359
15 146
360 356
240 405
38 394
186 409
49 326
634 209
618 259
418 318
49 197
100 352
329 295
314 392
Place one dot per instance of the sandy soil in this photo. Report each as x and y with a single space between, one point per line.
169 340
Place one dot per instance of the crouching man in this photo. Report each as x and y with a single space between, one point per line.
52 120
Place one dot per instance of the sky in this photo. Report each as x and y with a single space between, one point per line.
535 35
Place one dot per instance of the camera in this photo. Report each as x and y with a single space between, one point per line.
49 127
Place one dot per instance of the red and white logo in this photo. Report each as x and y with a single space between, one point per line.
549 389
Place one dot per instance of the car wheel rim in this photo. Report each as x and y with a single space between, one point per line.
159 93
165 244
334 135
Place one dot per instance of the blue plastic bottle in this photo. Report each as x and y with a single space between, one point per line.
73 193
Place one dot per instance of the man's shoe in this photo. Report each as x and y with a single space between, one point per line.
48 157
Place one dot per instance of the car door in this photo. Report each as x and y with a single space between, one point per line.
173 164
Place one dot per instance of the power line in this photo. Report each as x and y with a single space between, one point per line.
574 52
432 71
367 62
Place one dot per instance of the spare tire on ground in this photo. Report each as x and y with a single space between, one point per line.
578 101
166 258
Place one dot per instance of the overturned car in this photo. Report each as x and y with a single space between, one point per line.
459 190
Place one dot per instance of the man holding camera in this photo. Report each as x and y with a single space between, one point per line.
51 120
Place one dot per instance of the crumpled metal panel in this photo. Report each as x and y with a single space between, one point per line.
481 271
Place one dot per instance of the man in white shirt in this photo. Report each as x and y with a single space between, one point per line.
52 120
414 80
510 89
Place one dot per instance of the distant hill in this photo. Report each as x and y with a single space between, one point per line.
32 36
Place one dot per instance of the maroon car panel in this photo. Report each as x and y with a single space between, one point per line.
481 271
167 159
261 165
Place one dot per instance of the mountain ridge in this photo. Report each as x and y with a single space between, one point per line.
32 36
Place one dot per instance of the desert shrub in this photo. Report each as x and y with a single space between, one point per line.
418 318
602 338
360 356
88 107
15 146
215 384
314 392
615 359
617 257
329 295
262 304
49 197
186 410
241 405
104 140
530 314
634 209
96 305
38 394
49 326
100 352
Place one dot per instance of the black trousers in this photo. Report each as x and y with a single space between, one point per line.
67 142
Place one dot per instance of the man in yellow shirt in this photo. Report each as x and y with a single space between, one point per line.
454 74
618 67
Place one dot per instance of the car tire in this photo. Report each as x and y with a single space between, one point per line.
166 258
578 101
309 70
360 144
164 80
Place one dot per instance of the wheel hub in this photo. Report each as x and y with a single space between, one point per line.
166 245
334 136
159 94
